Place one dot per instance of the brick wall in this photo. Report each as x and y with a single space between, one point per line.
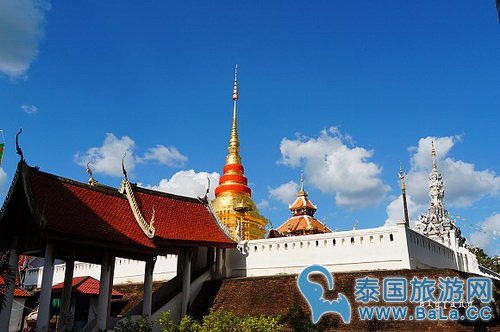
276 295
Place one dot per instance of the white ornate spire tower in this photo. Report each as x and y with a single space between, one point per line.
437 223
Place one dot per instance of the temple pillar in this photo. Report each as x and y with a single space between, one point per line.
219 261
112 261
186 280
148 286
42 324
104 286
5 313
66 316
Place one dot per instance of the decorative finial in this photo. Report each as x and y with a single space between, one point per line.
402 177
302 192
235 85
91 181
205 197
123 166
18 149
234 143
434 165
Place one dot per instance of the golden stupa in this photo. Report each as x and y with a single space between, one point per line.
233 202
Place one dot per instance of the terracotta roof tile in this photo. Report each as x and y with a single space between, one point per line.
302 222
85 285
18 291
103 214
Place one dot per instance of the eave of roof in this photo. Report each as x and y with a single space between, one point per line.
100 214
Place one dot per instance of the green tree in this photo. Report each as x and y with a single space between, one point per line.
492 263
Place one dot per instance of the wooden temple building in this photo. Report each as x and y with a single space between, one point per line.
53 217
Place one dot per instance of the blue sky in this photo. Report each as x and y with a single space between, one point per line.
343 90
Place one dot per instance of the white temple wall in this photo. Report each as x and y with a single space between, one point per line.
382 248
426 253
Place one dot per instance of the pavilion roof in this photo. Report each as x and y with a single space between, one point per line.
302 223
85 285
59 208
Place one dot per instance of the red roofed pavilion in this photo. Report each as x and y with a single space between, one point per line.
303 221
53 217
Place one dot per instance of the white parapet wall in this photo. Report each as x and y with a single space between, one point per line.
426 253
383 248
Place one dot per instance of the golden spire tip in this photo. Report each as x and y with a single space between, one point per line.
235 86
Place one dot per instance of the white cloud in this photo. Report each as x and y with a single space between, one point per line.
168 156
107 158
263 204
463 184
395 210
21 28
336 168
487 234
285 193
3 177
189 183
29 109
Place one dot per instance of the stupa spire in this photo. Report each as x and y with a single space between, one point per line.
233 203
437 223
434 164
233 156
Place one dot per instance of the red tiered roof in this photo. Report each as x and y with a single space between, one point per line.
85 285
99 215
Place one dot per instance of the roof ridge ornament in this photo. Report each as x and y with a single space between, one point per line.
204 199
18 149
124 171
91 181
147 228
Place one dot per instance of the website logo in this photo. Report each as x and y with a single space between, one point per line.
314 294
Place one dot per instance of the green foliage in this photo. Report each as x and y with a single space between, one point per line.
189 324
166 322
492 263
299 321
222 321
261 323
142 324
